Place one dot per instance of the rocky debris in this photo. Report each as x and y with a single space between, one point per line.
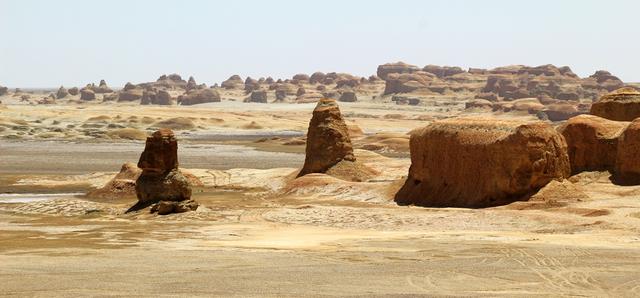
560 112
329 149
128 86
87 94
627 165
397 68
48 100
169 207
130 95
258 96
348 96
481 162
74 91
160 179
199 96
62 92
592 142
233 82
622 105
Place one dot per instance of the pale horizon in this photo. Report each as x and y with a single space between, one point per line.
73 43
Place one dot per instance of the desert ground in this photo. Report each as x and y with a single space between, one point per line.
259 232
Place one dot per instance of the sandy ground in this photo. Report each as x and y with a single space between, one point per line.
260 234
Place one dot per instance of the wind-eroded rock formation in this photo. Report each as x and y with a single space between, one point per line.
592 142
329 148
479 162
621 105
161 182
627 166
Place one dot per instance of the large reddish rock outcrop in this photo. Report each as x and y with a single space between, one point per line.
481 162
329 149
621 105
592 142
627 167
160 179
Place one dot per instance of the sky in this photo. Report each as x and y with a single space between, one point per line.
46 43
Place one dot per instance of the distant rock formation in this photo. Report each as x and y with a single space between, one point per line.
251 85
348 96
199 96
3 90
130 94
622 105
481 162
101 88
592 142
62 92
121 186
74 91
258 96
329 149
161 183
233 82
398 68
87 94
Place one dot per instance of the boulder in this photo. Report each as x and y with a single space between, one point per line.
62 92
329 148
160 179
3 90
128 86
317 77
621 105
348 96
398 68
87 94
301 77
482 162
199 96
592 142
627 165
102 88
74 91
251 85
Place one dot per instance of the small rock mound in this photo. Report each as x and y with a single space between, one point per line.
348 96
121 186
87 94
329 149
620 105
62 92
481 162
160 179
592 142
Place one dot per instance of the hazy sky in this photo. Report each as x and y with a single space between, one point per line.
48 43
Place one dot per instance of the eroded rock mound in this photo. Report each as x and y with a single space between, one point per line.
87 94
329 149
62 92
397 67
592 142
627 166
481 162
621 105
348 96
199 96
160 179
121 186
74 91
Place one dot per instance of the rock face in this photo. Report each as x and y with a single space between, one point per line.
479 162
621 105
592 142
102 88
87 94
627 166
160 179
62 93
199 96
329 149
